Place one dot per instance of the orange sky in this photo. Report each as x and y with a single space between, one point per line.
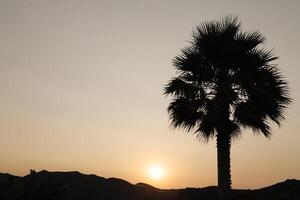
81 89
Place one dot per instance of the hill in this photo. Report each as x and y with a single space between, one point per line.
76 186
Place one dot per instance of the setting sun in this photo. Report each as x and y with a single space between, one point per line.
156 172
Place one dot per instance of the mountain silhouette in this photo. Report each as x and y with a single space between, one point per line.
77 186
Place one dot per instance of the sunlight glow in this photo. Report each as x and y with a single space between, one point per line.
156 172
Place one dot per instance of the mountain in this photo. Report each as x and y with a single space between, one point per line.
76 186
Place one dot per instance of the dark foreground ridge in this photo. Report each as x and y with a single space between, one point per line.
46 185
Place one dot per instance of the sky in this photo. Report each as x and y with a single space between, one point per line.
81 86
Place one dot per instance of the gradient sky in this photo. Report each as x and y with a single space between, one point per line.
81 89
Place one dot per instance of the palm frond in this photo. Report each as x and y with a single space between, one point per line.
179 87
261 57
184 113
246 41
228 25
273 94
191 61
206 128
248 115
215 40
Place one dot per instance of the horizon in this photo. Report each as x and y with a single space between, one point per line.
136 183
81 88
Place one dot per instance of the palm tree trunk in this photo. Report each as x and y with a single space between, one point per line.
224 173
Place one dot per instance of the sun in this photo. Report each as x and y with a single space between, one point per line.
156 172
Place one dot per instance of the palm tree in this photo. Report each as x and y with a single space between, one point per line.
225 82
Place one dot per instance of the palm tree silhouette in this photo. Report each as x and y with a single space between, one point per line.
225 82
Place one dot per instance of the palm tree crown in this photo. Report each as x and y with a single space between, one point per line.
225 81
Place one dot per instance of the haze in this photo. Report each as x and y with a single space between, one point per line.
81 89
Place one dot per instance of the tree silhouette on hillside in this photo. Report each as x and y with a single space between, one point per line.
225 81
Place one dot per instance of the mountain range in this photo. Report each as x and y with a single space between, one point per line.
45 185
